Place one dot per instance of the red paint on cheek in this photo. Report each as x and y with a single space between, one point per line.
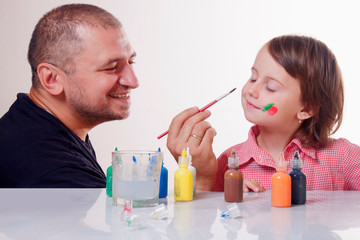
272 110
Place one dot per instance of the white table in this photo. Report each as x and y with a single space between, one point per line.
89 214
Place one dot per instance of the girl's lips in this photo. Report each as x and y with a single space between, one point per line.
250 105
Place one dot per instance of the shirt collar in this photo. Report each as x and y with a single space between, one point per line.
253 151
309 151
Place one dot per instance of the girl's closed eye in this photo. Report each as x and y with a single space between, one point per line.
269 88
253 76
273 86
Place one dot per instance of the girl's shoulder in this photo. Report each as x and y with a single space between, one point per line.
341 143
342 146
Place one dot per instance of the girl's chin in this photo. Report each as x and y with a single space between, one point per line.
260 122
252 119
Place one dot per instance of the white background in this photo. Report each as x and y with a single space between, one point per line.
190 52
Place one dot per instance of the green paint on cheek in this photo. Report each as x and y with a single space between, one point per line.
267 107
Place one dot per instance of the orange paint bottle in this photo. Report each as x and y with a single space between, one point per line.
281 185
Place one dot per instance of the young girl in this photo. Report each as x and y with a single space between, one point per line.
295 99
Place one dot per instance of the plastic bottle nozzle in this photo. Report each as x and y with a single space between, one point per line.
183 153
281 164
232 211
159 212
233 161
183 160
127 206
233 153
297 162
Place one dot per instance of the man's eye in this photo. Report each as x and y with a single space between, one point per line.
110 69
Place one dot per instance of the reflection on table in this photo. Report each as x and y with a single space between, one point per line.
88 213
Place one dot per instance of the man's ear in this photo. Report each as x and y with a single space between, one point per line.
305 113
51 78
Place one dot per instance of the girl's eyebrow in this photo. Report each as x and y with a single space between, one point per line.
269 77
274 79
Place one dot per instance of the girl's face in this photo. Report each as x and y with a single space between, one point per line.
271 97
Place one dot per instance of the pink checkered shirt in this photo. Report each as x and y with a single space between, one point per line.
336 167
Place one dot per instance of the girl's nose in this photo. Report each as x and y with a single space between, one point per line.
254 90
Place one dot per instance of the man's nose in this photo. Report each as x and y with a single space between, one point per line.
128 77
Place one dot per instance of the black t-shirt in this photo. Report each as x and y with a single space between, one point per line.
37 150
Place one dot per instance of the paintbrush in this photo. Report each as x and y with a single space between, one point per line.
204 108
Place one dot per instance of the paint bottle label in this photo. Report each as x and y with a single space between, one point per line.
193 171
163 191
298 181
183 190
281 185
281 190
233 186
298 187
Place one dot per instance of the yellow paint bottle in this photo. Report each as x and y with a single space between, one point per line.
183 190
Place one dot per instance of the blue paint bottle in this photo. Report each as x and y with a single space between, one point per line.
298 181
163 181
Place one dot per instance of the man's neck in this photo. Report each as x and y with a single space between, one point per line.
59 109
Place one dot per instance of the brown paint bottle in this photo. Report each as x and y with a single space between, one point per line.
233 184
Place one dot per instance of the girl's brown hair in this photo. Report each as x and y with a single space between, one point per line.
315 66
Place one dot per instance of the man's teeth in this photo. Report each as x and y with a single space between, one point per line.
120 95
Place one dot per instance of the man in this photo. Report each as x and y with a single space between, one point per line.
82 75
